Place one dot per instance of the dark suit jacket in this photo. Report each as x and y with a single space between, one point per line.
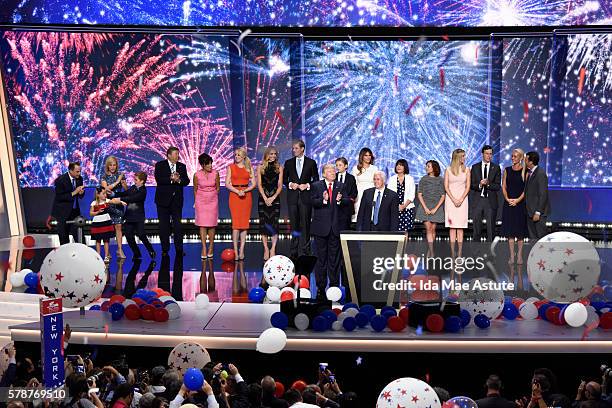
388 214
326 217
64 201
536 193
494 186
166 190
270 401
350 189
310 174
135 198
495 402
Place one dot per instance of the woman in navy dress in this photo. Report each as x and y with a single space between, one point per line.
113 182
514 214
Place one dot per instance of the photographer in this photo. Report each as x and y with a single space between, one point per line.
331 389
589 396
113 379
82 393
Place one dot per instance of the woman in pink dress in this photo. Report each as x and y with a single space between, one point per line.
206 203
457 186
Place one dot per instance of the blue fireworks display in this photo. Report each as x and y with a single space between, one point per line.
299 13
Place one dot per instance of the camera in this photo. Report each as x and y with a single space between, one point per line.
605 370
96 377
323 367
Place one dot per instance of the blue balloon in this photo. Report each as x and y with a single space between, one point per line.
95 307
388 308
452 324
31 279
31 291
193 379
388 313
510 311
349 306
279 320
320 323
349 324
362 319
608 292
465 317
378 323
482 321
329 315
597 297
369 310
542 310
507 299
257 294
598 305
116 309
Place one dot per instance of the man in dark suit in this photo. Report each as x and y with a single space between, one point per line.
379 209
69 190
494 398
268 388
327 201
134 200
536 196
485 182
171 176
349 189
300 171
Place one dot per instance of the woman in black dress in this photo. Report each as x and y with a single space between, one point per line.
270 185
514 214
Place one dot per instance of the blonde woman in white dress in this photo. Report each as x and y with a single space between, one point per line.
364 175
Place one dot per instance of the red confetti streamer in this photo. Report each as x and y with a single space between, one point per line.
525 111
106 331
476 52
581 80
259 58
414 102
48 222
280 118
266 128
376 124
442 81
395 80
589 329
445 37
547 150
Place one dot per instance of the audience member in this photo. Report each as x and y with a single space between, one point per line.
494 398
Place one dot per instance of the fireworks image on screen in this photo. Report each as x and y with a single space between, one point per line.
417 100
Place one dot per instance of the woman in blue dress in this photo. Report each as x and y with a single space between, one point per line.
114 181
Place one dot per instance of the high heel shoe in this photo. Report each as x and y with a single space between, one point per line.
120 255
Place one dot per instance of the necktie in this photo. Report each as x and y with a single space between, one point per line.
342 178
172 167
75 204
329 191
299 167
376 208
485 193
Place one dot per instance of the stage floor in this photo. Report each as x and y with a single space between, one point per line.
237 326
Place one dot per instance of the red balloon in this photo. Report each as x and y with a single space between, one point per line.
28 241
585 301
552 314
139 301
158 291
605 321
105 305
299 385
434 323
597 290
336 311
165 293
287 295
304 283
396 324
117 299
228 254
132 312
540 303
517 302
148 312
228 266
161 315
28 254
404 314
280 390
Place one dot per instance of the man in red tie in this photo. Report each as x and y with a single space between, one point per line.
327 199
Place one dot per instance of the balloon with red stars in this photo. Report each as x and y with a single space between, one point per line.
408 392
74 272
480 299
563 267
279 271
187 355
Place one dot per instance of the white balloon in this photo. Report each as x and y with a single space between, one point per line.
271 341
164 298
337 325
301 321
305 293
174 311
342 316
25 271
128 302
279 271
592 318
489 302
334 293
532 299
273 293
408 392
186 355
528 311
352 312
17 279
563 267
202 301
74 272
576 314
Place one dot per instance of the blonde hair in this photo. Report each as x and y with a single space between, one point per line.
107 164
456 165
521 161
265 163
247 161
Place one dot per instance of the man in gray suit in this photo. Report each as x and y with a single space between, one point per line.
536 196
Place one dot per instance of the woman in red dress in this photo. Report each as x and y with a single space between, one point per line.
240 182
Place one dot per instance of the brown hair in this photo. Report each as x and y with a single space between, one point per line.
435 166
265 162
141 175
362 153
